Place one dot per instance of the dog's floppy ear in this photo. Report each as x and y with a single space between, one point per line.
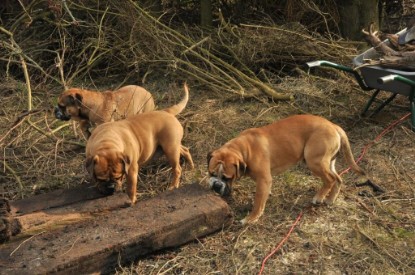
74 99
240 167
78 99
209 156
126 162
90 163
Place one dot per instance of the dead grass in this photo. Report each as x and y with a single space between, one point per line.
360 234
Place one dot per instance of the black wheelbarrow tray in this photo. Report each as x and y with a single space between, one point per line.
377 78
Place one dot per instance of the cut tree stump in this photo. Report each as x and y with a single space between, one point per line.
102 233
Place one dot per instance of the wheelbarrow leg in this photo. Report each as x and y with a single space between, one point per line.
381 106
412 103
369 103
411 96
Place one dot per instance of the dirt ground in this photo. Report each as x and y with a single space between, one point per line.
362 233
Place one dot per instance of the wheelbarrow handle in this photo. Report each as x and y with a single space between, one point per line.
386 79
315 63
325 63
393 77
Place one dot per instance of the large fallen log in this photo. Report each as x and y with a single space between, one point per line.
32 223
99 243
26 215
54 199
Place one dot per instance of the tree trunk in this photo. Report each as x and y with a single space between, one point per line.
206 13
356 15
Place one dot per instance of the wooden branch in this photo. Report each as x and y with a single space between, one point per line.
28 86
232 74
65 6
406 60
393 40
373 39
401 58
15 175
50 134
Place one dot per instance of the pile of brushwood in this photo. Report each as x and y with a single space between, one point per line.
70 41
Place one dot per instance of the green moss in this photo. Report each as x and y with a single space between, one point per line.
404 233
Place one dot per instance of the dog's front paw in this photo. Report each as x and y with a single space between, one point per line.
133 201
329 201
248 220
317 200
173 185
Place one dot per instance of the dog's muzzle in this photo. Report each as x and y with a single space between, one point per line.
219 186
60 115
106 187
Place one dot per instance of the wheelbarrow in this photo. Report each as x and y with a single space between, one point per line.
378 78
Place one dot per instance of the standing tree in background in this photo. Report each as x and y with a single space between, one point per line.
356 15
206 13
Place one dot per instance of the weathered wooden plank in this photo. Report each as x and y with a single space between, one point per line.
32 213
96 245
55 198
58 216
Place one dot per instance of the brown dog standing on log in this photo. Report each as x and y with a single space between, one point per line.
118 149
93 107
272 149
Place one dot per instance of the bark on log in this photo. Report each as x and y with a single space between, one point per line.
57 217
54 199
120 236
392 55
377 44
5 228
25 215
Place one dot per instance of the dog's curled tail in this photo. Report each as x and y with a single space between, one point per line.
347 152
179 107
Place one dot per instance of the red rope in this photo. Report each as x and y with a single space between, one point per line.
364 150
281 243
384 132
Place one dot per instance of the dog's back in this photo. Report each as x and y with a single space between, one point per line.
130 100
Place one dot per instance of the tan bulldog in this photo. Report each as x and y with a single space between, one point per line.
262 152
118 149
92 108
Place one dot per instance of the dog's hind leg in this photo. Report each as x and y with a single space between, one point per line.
184 152
173 156
322 170
335 190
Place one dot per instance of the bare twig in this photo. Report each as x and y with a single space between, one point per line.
50 134
25 241
15 175
73 244
381 248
